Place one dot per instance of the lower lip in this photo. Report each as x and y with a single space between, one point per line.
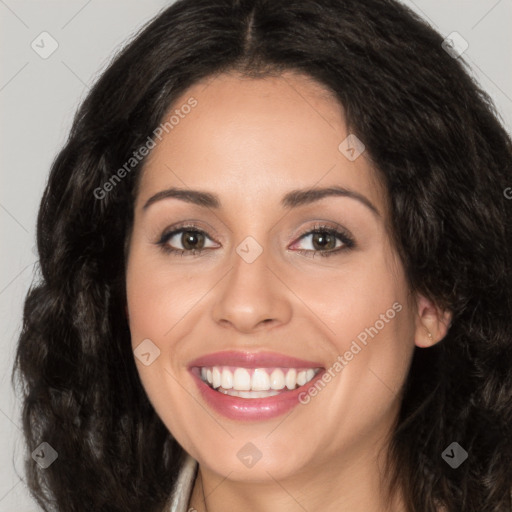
251 409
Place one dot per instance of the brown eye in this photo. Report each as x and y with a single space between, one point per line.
323 240
192 240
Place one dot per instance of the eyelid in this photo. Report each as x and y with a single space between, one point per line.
190 225
320 224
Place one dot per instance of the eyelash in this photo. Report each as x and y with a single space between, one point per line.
347 240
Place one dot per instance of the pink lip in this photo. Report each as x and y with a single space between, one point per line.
252 360
251 409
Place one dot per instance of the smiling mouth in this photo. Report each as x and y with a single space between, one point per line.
255 382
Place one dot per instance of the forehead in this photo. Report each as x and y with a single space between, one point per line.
252 140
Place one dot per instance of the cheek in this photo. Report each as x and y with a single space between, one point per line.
365 294
164 307
370 326
156 302
158 295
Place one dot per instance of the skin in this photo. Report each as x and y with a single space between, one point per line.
250 142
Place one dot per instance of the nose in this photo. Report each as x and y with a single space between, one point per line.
253 296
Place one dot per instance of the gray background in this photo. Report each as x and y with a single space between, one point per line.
39 96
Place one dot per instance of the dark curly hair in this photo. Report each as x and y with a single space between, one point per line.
437 143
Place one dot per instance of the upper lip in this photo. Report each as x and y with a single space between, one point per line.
252 360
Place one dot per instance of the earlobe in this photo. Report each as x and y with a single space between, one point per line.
432 323
423 341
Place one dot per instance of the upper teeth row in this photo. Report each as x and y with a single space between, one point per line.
261 380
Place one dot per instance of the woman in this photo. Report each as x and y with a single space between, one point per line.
275 273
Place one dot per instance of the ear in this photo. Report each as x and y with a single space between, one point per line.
432 323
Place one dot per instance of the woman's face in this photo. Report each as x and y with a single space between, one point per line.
262 295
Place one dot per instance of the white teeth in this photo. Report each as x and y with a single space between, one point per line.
258 382
241 380
291 378
216 377
249 394
277 379
227 379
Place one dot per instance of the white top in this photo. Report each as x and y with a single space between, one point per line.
182 491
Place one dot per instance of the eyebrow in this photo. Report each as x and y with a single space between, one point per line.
292 199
